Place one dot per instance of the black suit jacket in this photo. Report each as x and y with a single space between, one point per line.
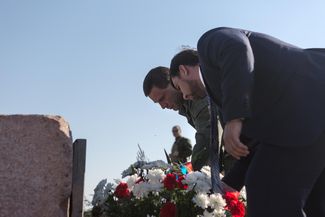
278 88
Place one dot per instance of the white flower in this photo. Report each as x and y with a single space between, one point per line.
201 200
217 202
153 185
141 189
219 213
200 181
156 187
132 180
156 175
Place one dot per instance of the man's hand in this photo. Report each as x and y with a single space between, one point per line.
231 138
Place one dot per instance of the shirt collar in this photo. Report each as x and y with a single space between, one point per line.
201 77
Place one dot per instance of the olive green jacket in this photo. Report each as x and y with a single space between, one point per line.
181 150
198 115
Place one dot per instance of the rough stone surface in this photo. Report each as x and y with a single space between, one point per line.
35 166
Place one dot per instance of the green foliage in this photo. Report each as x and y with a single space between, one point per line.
150 205
88 213
125 207
185 205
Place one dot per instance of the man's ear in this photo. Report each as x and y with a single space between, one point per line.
182 70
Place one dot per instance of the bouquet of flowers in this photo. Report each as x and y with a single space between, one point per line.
161 190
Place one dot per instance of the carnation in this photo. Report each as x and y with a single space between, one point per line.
170 181
214 213
141 189
122 190
201 200
132 180
217 202
156 175
161 192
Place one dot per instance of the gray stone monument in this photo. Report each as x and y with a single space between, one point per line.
35 166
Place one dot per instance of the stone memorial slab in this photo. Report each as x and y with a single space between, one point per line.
35 166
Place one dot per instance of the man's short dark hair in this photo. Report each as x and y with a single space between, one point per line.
158 77
187 57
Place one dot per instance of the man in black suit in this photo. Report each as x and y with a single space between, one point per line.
273 92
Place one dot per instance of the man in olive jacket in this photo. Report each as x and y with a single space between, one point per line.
182 147
157 87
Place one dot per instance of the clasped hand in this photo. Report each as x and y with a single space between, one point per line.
231 135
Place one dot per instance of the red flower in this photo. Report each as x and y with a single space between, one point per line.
122 190
238 210
170 181
168 210
234 206
180 185
230 196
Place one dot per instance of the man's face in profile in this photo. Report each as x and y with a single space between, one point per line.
168 98
189 88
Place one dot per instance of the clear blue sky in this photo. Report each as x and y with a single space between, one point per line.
85 60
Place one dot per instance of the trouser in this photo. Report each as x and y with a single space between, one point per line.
280 180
